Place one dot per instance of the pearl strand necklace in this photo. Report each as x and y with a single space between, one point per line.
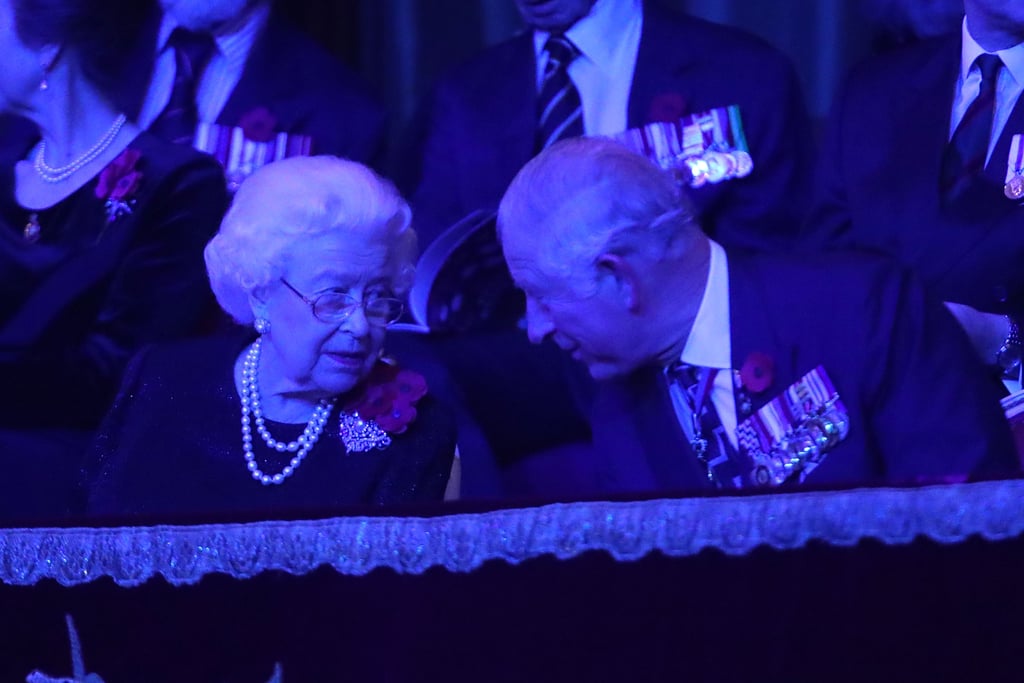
251 404
56 175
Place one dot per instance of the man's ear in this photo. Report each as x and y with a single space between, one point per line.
618 272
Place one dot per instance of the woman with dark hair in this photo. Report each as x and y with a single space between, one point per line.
101 235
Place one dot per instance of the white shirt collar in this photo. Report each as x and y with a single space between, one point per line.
709 342
234 47
591 33
1013 57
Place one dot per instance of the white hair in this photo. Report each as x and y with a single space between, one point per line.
289 202
588 196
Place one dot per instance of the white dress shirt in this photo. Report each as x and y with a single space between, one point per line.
1008 87
709 346
608 39
220 77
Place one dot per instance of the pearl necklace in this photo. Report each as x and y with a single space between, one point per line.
251 404
56 174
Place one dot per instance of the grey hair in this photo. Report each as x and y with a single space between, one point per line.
297 199
589 196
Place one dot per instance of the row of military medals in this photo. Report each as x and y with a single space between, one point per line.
791 434
699 148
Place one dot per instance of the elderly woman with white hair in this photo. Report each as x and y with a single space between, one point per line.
303 413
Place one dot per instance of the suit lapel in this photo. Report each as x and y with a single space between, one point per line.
639 444
137 70
262 82
504 115
517 114
653 76
921 141
753 330
669 454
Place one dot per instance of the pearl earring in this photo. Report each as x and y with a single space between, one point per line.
262 325
44 84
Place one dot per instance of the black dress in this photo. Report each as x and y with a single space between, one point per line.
171 449
78 302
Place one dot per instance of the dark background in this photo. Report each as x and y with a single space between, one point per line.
917 612
401 46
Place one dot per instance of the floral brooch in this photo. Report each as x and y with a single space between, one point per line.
386 405
118 184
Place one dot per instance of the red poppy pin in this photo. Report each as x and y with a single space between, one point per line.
258 124
667 107
389 397
757 372
118 183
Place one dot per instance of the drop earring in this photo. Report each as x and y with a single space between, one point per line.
44 83
261 325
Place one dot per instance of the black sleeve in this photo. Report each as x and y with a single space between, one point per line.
157 291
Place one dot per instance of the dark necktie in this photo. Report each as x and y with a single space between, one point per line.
722 465
177 122
964 158
559 110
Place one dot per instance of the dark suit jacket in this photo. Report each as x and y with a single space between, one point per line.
308 91
920 409
78 304
879 174
480 124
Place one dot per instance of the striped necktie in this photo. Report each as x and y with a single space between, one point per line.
559 109
177 122
964 158
722 465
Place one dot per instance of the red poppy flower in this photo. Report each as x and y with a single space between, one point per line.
411 386
757 372
397 420
120 179
389 397
667 107
377 400
258 124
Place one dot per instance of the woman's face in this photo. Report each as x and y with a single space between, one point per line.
303 356
21 65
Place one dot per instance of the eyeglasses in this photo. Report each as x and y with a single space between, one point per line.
335 307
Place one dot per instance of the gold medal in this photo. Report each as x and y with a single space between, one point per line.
1014 188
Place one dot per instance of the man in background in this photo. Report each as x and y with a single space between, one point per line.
600 67
596 67
922 161
240 65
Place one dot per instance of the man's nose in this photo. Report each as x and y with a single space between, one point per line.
538 322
